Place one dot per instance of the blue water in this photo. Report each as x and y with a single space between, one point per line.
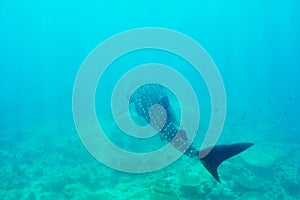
255 45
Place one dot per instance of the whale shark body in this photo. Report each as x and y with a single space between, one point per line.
151 102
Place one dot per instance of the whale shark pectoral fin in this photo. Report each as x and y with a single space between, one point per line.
161 136
164 101
212 157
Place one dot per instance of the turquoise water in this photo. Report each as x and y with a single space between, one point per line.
255 45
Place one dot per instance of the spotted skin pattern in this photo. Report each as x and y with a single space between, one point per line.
152 103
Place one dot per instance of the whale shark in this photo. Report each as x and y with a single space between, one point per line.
151 102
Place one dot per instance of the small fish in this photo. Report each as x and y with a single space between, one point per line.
151 102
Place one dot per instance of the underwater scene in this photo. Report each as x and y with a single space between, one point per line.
149 100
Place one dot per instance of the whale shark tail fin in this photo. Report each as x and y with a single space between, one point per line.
212 157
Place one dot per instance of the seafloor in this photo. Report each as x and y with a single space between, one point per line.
48 161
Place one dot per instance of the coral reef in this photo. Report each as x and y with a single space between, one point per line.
60 168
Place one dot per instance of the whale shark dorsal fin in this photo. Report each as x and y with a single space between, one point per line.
212 157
